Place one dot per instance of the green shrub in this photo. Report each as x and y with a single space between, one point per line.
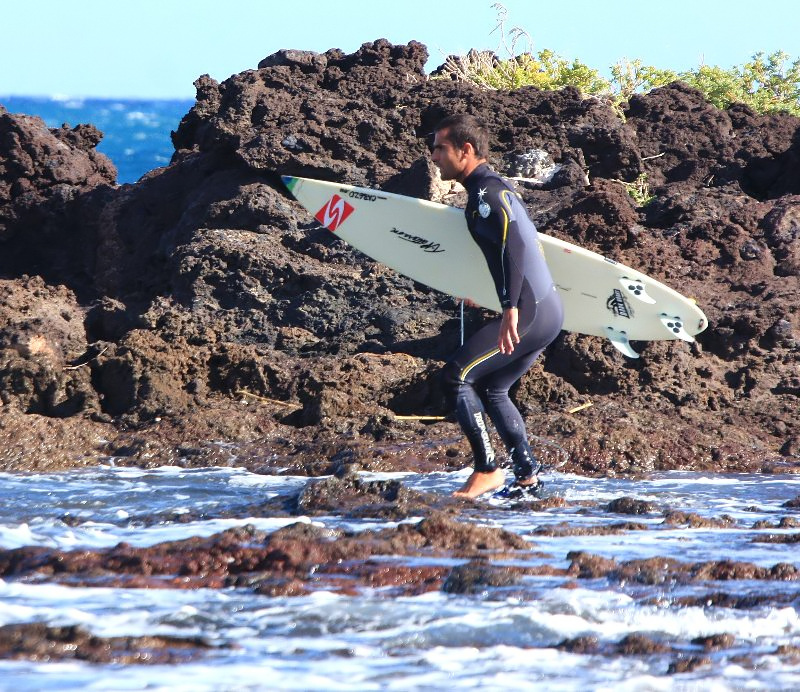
639 190
630 77
544 69
767 84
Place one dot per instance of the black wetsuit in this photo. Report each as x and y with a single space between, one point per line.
500 225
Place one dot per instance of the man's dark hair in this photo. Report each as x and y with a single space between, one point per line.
462 128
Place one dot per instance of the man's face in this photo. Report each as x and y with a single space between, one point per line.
450 160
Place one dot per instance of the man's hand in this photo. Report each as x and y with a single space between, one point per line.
508 338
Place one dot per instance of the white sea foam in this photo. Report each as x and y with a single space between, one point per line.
329 641
97 535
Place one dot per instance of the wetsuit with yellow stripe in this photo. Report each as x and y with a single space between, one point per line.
478 376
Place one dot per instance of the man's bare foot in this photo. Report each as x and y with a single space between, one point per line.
479 483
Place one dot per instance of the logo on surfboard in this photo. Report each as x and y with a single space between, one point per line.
619 305
424 243
334 213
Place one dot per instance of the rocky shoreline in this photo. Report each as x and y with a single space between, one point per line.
446 550
199 317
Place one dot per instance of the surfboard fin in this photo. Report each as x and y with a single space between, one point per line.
619 339
636 289
674 325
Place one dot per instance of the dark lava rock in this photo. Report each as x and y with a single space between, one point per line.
39 642
476 577
695 521
566 529
688 664
588 566
784 523
746 601
355 498
630 505
715 642
638 644
205 304
661 570
243 556
778 538
580 645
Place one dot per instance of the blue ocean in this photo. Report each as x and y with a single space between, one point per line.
136 132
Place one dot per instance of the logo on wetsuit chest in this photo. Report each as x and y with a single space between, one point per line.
483 207
618 304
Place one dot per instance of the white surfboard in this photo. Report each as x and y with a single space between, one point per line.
430 243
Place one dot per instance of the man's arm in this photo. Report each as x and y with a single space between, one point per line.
497 223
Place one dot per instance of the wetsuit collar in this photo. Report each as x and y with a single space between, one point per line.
478 172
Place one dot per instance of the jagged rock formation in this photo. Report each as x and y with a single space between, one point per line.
134 317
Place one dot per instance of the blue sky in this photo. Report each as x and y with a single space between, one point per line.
157 48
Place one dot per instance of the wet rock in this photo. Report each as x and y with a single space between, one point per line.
630 505
547 503
715 642
475 577
588 566
278 588
660 570
778 538
246 557
792 653
735 600
688 664
695 521
444 533
652 571
641 645
355 498
606 530
784 523
580 645
43 443
398 579
40 642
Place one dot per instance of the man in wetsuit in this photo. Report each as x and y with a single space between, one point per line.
497 355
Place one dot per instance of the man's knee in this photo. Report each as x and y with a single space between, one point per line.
497 395
451 380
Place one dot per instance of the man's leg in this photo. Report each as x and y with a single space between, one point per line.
477 356
507 419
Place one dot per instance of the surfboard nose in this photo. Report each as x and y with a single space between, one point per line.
289 181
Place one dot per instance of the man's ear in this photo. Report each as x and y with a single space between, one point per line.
468 150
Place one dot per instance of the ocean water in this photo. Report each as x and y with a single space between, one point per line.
136 132
371 641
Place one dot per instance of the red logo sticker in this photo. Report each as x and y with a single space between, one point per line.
334 213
